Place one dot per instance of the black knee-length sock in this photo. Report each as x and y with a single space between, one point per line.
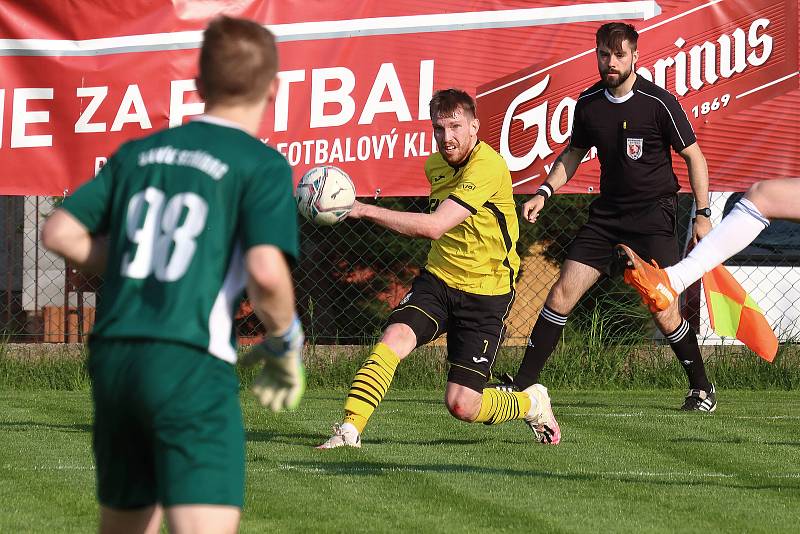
541 344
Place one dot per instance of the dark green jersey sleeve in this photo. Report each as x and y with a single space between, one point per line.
268 214
91 203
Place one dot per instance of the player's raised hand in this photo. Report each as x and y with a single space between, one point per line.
282 381
531 209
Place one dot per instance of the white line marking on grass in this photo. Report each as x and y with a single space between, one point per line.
642 414
685 474
350 469
576 414
652 474
467 470
285 467
58 467
470 470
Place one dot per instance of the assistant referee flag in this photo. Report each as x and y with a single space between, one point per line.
734 313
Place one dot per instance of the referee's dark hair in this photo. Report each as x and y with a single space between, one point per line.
612 34
446 101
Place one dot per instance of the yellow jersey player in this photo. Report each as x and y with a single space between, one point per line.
466 288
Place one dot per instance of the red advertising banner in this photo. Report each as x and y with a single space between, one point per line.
718 58
80 78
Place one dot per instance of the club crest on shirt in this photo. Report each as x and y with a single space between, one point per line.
634 147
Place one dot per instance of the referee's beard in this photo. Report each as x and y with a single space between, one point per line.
615 81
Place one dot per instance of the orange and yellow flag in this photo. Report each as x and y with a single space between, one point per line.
734 313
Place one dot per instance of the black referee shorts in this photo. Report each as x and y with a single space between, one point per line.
648 228
475 325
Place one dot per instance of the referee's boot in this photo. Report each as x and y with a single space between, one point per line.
650 281
698 400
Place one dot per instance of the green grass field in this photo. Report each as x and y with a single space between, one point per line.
629 462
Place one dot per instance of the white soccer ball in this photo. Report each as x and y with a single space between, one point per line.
325 195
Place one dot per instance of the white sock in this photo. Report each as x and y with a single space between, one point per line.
736 231
349 427
534 404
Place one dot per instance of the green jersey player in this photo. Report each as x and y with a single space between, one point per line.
180 223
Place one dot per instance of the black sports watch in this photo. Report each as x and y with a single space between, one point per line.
705 212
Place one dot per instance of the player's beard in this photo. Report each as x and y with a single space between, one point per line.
458 155
621 77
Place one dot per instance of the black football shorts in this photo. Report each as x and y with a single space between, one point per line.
648 228
475 325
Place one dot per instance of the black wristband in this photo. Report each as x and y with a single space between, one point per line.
545 190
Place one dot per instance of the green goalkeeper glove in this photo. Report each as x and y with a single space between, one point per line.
281 383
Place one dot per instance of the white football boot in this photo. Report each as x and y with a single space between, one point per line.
540 418
344 435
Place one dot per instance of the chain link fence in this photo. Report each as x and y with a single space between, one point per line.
351 275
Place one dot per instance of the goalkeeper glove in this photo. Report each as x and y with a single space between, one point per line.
281 383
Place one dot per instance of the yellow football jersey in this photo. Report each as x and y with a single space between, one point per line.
479 255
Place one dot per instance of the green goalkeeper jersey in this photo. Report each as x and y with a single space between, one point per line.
180 208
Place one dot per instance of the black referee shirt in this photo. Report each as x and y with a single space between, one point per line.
633 135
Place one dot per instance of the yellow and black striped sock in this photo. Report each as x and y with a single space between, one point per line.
370 385
501 406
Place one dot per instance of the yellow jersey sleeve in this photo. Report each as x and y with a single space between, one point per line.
480 181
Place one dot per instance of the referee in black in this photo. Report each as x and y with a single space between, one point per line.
633 123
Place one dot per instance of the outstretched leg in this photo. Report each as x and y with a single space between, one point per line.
493 407
371 383
774 199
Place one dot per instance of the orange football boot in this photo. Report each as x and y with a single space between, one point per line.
650 281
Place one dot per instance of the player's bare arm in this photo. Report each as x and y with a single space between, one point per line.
281 382
698 179
432 226
269 287
563 170
66 236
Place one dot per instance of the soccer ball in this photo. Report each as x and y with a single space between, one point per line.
325 195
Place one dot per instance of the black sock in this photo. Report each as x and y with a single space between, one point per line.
543 340
684 343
